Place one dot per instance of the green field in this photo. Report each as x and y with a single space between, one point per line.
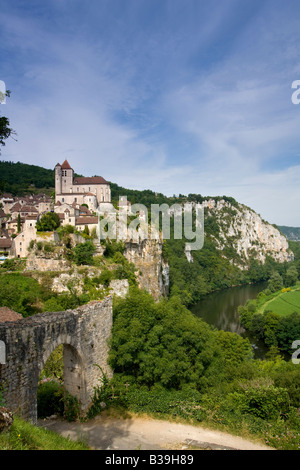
285 303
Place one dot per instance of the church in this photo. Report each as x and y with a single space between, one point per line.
70 189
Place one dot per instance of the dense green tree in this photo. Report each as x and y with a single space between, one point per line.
165 344
20 293
19 224
21 178
291 276
83 253
5 130
275 282
288 331
48 222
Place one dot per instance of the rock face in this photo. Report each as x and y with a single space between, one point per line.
152 270
6 419
119 287
45 263
247 233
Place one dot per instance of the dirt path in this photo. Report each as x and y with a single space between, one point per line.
107 433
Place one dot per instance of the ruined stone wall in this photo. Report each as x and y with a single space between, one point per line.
30 341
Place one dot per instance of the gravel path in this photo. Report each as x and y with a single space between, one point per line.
107 433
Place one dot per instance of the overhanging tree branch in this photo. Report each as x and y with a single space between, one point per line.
5 130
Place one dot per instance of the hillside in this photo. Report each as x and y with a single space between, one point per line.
291 233
20 178
239 247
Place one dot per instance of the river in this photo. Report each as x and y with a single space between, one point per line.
220 309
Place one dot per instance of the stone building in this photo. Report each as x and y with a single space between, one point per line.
82 190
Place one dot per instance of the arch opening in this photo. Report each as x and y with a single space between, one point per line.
61 387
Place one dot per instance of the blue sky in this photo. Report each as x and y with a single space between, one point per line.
177 96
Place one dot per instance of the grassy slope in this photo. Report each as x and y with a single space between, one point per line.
284 303
25 436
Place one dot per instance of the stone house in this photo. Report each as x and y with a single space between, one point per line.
87 221
6 245
22 240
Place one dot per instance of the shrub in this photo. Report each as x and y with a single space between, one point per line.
105 277
112 247
263 401
49 399
2 402
48 222
83 253
53 399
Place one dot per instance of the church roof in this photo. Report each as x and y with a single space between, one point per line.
89 180
66 166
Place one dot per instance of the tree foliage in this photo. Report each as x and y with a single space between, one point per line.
48 222
20 293
165 344
5 130
20 178
83 253
269 326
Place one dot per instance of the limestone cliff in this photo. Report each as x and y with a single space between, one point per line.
152 269
241 229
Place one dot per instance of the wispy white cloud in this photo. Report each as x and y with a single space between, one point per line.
163 96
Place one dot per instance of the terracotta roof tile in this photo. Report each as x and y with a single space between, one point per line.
5 242
29 209
86 220
89 180
6 314
66 166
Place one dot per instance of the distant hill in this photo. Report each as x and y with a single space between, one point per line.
291 233
21 178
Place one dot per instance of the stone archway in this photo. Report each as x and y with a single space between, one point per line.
74 374
29 342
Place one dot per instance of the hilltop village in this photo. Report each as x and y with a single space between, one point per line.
76 200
